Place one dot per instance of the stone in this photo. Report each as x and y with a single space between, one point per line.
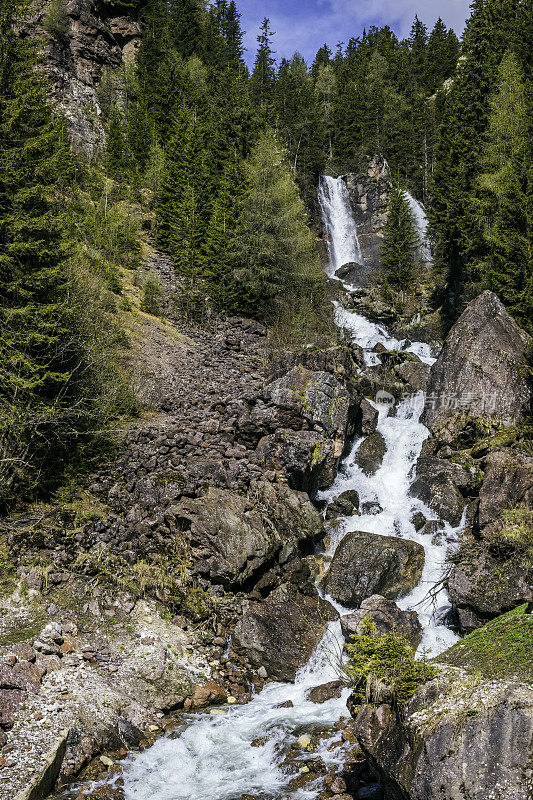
367 420
365 564
23 651
414 373
281 632
235 535
480 374
345 505
304 741
507 483
387 616
454 740
305 460
438 484
209 693
326 691
10 702
369 456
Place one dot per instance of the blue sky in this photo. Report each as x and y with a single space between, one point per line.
305 25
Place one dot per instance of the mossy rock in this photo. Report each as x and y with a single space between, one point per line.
501 648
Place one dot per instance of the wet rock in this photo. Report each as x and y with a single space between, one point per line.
387 616
480 374
367 419
325 692
414 373
438 484
365 564
208 694
369 456
305 460
345 505
282 631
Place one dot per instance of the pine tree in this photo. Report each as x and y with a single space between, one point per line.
116 156
400 241
274 251
418 42
187 25
263 78
504 204
40 350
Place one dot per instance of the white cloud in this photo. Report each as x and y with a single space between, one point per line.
337 20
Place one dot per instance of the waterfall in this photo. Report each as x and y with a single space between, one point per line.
341 230
212 756
421 224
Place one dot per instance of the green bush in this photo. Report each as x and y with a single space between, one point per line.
151 297
56 18
385 658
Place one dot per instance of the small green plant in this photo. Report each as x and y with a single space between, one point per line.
56 18
151 296
386 659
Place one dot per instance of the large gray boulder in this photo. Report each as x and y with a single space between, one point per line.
281 632
480 374
365 564
458 740
386 616
439 483
507 483
233 536
369 456
305 460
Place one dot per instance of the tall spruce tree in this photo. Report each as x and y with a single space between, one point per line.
40 351
275 255
504 203
263 78
400 242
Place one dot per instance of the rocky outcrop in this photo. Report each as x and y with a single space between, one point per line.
479 378
281 633
365 564
369 189
440 484
98 36
507 483
457 741
235 537
370 454
386 616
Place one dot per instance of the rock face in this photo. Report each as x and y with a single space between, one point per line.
369 190
301 423
507 483
281 632
387 616
439 483
456 742
99 37
235 536
480 373
365 564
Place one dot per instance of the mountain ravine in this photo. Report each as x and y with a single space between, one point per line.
298 565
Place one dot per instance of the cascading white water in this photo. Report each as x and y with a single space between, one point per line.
421 224
212 757
341 231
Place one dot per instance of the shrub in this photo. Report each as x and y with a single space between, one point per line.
56 18
151 297
386 659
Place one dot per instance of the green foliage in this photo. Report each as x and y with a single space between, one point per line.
56 20
501 648
387 658
275 256
151 296
400 241
263 79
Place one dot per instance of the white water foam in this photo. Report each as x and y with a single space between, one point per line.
421 223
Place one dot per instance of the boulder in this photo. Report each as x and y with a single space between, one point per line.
365 564
367 420
486 585
438 483
414 373
305 460
507 483
326 691
455 741
10 702
370 455
480 374
345 505
387 616
233 536
282 631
